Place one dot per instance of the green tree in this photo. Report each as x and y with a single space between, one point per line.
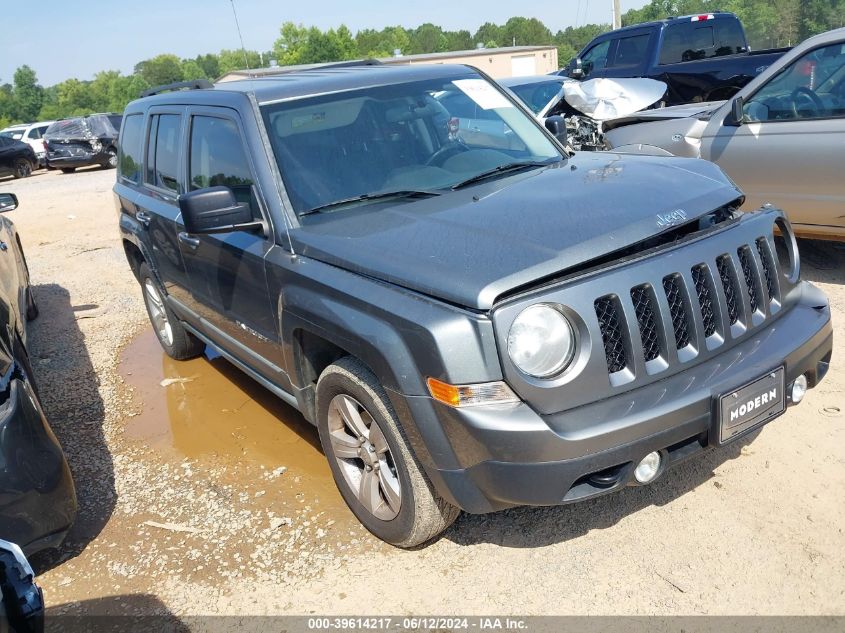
192 70
526 32
489 33
160 70
28 96
459 40
238 59
427 38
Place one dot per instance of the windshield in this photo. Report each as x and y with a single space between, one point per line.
414 136
537 95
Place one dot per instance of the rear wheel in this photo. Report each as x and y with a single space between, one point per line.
68 170
371 460
111 159
174 338
22 168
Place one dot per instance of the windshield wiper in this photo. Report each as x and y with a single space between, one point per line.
366 197
502 169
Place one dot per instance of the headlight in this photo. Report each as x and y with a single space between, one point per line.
541 341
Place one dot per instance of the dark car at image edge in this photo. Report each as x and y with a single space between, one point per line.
469 326
37 495
16 158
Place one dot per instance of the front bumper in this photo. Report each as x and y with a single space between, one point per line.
37 495
508 455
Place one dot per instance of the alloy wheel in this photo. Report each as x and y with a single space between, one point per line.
364 457
158 315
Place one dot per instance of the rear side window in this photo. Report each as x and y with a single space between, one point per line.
163 151
129 154
34 133
631 51
690 41
218 159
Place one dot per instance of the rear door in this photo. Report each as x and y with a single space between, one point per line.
226 270
156 208
789 150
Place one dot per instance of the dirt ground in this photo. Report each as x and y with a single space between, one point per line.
201 494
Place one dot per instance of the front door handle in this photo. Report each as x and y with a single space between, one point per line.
191 242
143 217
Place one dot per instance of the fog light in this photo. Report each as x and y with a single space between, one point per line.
648 468
799 388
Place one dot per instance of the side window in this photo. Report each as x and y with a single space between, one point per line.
595 58
163 151
690 41
34 134
129 154
811 87
217 159
631 51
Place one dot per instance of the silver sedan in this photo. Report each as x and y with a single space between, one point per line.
781 138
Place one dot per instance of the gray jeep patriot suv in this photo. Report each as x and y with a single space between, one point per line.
473 318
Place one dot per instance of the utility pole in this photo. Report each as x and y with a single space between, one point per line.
617 15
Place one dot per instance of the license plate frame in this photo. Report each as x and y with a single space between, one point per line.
755 397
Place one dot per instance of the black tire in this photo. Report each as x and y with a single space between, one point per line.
31 305
422 514
68 170
183 345
111 159
22 168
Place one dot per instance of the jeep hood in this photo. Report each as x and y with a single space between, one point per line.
471 246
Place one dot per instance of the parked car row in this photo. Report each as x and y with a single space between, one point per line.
66 144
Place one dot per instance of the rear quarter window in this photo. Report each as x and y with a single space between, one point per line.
691 41
129 152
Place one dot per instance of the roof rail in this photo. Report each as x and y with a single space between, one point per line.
196 84
351 63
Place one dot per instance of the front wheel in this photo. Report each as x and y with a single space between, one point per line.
22 168
174 338
371 460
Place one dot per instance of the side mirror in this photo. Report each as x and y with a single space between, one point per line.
737 111
557 126
576 68
8 202
215 210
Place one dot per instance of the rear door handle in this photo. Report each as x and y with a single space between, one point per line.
143 217
191 242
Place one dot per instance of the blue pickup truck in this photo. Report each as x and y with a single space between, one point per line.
699 57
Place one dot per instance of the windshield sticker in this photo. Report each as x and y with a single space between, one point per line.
485 95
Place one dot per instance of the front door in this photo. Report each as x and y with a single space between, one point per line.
226 270
790 148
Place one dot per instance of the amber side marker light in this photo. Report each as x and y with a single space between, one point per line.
466 395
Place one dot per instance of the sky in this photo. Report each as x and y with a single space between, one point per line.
78 39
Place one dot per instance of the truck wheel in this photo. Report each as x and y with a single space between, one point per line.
174 338
22 168
371 461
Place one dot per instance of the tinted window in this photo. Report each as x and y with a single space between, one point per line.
218 159
34 133
129 154
689 41
595 58
115 121
15 134
163 151
631 51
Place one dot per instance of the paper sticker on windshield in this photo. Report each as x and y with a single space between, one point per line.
485 95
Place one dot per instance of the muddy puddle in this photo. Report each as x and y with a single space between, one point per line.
209 411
